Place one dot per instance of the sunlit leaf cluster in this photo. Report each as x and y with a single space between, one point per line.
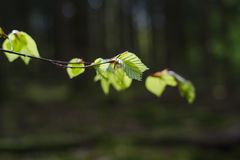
157 83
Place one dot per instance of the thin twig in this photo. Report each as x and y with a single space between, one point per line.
86 66
64 64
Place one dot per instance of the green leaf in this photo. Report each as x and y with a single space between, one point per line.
74 72
12 44
103 68
132 65
20 42
105 86
165 76
157 82
155 85
109 75
187 90
119 80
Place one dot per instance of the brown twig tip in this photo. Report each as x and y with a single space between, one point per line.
79 60
159 73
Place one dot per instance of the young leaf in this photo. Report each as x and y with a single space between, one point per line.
187 90
155 85
132 65
166 77
103 68
75 71
119 80
30 48
12 44
109 75
105 86
20 42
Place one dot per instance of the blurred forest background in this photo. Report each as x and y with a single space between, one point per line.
46 116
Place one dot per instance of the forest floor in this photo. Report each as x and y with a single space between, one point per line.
121 128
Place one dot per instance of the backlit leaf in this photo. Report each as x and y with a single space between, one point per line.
165 76
119 80
74 72
155 85
105 86
187 90
109 75
132 65
20 42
